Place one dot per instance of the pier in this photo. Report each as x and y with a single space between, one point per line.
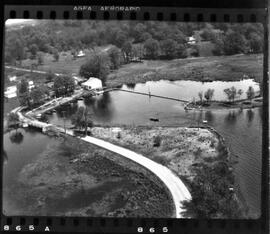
153 95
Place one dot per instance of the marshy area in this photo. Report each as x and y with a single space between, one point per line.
74 178
197 155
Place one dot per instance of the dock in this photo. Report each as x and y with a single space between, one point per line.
58 102
154 95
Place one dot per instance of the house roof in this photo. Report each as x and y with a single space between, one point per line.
91 81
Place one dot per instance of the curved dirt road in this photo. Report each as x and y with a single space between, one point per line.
176 187
178 190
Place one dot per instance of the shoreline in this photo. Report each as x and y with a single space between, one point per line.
221 105
221 141
127 189
226 158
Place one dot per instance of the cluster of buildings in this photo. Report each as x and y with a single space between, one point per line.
91 84
11 91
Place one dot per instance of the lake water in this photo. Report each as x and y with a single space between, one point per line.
241 129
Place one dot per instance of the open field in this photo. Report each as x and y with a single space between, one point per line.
197 155
65 65
75 178
178 148
222 68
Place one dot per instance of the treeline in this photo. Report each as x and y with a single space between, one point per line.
150 40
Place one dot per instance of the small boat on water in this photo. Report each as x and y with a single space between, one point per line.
154 119
205 121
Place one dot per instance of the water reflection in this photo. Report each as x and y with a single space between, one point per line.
16 137
231 117
131 86
209 116
5 156
240 128
250 115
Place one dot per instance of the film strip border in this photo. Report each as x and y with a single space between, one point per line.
136 13
129 225
118 225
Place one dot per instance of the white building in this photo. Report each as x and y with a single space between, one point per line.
80 54
92 83
191 40
31 84
12 78
11 92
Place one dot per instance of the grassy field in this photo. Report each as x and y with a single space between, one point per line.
65 65
74 178
197 155
223 68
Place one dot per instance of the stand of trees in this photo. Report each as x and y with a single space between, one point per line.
63 85
159 39
97 65
82 119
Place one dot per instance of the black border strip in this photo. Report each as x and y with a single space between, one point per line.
140 13
113 225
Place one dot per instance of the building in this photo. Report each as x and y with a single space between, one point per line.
92 83
11 92
31 84
81 54
191 40
12 78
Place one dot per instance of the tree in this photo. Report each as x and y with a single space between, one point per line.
231 93
82 119
73 53
168 48
23 92
16 138
181 51
50 76
234 43
250 93
40 58
115 57
145 36
219 43
255 43
98 65
37 95
151 47
200 94
240 92
33 50
208 95
138 31
55 55
13 120
19 50
63 85
127 49
120 39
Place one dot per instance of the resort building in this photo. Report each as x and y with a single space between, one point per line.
92 83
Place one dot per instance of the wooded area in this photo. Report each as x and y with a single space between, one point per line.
148 40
